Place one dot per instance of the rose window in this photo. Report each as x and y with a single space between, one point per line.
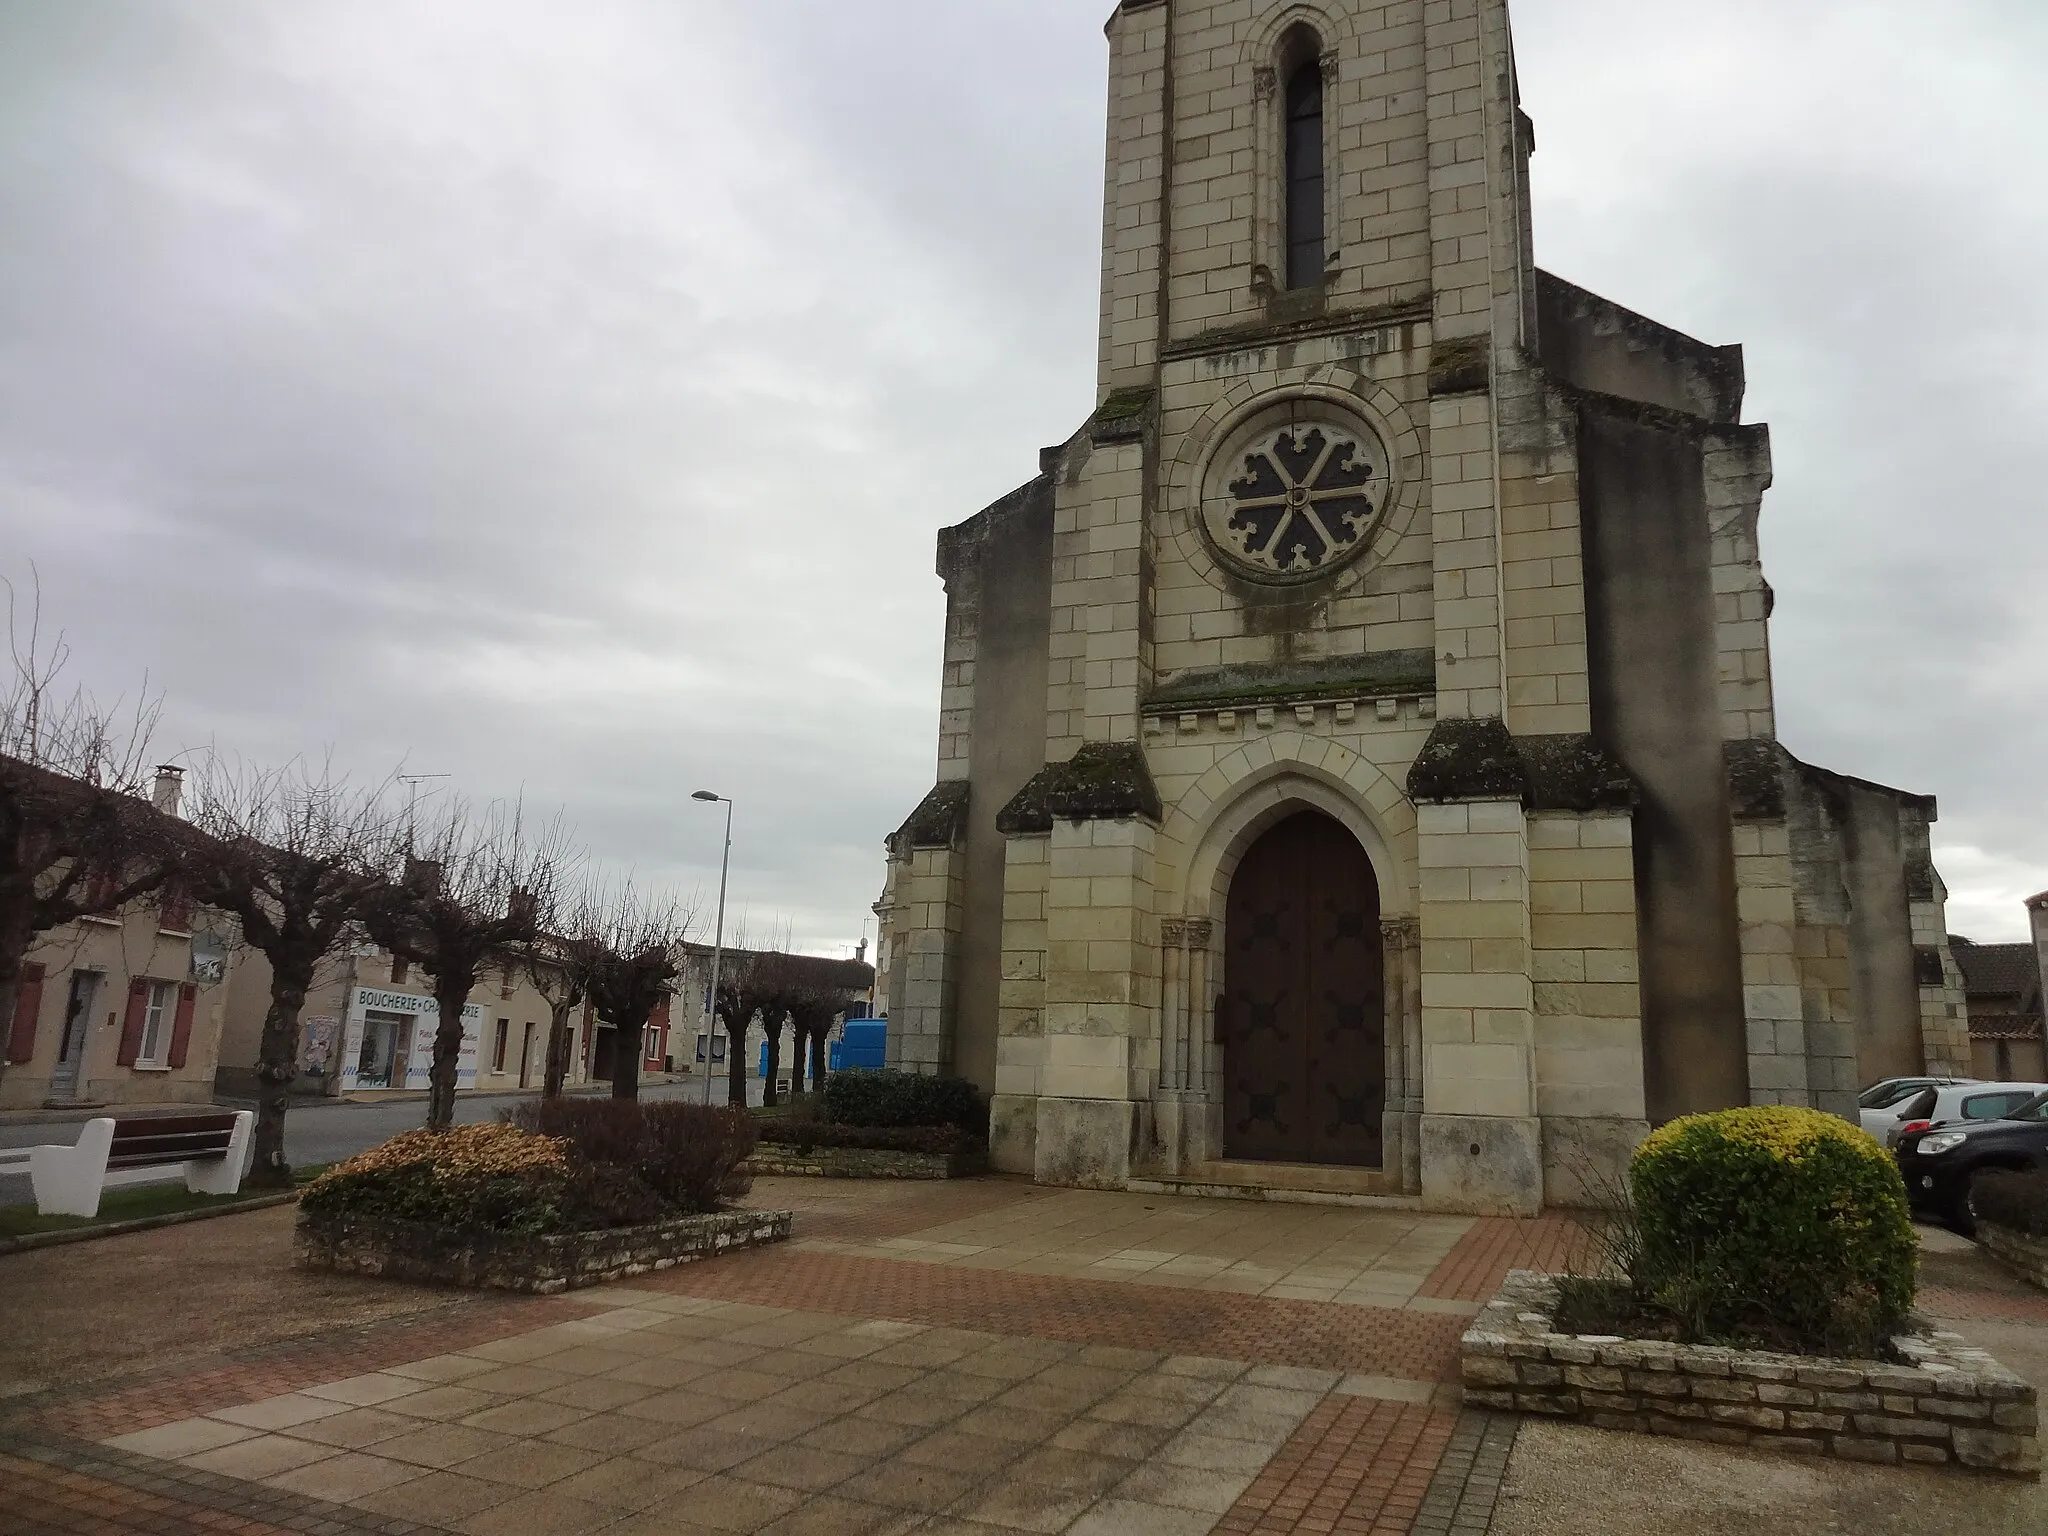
1299 499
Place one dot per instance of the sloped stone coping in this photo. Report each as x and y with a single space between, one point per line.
781 1160
1952 1405
540 1266
2025 1256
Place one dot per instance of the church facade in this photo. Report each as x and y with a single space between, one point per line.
1357 765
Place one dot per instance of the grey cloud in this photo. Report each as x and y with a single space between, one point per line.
566 398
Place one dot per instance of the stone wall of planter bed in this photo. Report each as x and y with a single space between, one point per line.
771 1158
543 1266
1947 1404
2025 1256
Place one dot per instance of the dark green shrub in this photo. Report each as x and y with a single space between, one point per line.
943 1140
889 1097
1774 1225
2008 1198
688 1155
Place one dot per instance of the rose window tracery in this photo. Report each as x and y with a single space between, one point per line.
1299 498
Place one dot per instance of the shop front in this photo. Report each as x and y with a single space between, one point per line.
388 1042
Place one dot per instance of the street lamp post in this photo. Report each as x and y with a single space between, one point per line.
718 934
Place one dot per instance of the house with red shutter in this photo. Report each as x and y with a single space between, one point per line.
125 1008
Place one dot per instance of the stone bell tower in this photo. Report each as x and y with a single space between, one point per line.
1338 735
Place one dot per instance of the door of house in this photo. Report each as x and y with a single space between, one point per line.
1303 1011
78 1007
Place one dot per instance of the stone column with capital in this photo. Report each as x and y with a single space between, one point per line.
1401 1155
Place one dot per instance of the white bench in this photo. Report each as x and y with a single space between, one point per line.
211 1150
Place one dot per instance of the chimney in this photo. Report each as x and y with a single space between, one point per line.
170 786
861 953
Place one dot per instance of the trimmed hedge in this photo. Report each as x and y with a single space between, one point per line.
942 1140
688 1155
885 1096
2008 1198
1776 1225
482 1178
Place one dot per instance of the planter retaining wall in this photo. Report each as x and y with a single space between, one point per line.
775 1159
2025 1256
405 1250
1952 1404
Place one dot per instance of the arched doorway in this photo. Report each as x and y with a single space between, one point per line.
1303 1010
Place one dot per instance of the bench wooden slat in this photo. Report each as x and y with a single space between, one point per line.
157 1125
144 1143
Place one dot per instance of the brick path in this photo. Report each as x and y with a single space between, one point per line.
1474 1269
1356 1466
194 1387
51 1488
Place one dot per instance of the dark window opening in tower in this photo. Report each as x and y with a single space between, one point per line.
1305 235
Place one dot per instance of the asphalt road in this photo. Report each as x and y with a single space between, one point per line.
329 1132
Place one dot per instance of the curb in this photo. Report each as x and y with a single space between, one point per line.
140 1224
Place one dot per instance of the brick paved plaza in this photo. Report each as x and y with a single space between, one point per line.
981 1356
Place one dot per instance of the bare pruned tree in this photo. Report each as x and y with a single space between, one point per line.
552 966
473 885
296 856
78 834
744 985
628 949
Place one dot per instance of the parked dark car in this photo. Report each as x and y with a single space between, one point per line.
1940 1164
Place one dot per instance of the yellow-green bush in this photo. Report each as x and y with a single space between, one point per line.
1774 1225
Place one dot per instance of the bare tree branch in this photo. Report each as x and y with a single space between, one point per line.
297 856
78 837
474 884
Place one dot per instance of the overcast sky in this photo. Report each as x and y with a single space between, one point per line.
566 397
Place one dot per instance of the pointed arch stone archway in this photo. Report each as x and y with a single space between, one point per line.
1210 832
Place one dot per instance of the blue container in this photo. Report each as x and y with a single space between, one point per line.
866 1045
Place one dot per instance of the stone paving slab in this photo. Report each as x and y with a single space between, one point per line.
1343 1336
1307 1253
882 1382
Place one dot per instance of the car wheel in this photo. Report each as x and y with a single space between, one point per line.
1963 1214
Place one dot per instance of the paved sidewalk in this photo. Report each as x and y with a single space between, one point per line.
964 1359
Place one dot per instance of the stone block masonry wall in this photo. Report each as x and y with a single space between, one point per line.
1950 1404
1793 1058
1098 589
1132 222
1101 1001
931 900
2025 1256
1467 557
542 1266
1738 472
1587 1005
1477 1035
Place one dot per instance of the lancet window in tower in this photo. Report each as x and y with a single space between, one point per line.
1305 234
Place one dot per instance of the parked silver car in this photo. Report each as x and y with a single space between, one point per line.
1956 1102
1878 1106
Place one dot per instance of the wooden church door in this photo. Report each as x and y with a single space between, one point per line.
1303 1027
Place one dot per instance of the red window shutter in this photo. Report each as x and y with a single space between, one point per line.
131 1027
181 1030
28 1003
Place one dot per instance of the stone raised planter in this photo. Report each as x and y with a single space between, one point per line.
775 1159
1952 1404
543 1266
2025 1256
